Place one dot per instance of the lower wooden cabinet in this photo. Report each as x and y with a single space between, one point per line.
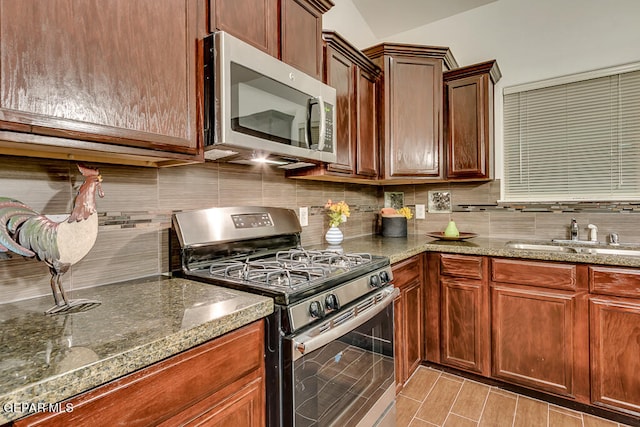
464 314
408 276
540 327
565 329
615 338
219 383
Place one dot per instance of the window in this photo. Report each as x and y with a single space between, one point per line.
574 138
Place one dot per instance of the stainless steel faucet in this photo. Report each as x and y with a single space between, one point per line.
573 230
614 239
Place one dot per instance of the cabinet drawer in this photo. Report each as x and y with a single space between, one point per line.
534 273
624 282
461 266
407 271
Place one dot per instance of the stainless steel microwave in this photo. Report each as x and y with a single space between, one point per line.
258 108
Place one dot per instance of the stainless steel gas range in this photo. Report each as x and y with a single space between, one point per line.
329 343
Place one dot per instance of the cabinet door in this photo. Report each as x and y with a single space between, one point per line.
533 338
340 75
468 120
408 277
367 135
244 407
412 300
467 123
255 22
465 324
413 139
398 342
615 353
301 32
465 329
118 72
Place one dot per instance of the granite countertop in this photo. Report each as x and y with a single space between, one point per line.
400 248
46 359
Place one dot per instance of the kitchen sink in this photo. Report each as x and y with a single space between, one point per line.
609 251
589 250
540 247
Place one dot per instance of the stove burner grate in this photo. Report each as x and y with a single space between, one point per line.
289 268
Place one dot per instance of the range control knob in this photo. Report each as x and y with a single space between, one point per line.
374 281
331 302
384 276
315 310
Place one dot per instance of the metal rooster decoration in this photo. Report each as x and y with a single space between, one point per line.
59 244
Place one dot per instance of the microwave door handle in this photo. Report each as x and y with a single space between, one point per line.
308 138
322 131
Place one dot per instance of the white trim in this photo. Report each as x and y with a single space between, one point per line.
594 74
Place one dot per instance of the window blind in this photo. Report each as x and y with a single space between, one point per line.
578 140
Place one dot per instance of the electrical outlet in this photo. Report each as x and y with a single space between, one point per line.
419 211
303 215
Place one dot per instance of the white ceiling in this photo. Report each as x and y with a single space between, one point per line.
386 18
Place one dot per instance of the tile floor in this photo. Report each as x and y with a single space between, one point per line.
436 398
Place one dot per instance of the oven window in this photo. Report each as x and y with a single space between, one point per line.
340 383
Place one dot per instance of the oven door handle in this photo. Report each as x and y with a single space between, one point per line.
306 343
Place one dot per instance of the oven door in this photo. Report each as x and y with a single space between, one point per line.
341 372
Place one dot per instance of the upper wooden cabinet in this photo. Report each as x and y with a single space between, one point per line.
301 34
101 80
411 110
255 22
356 81
290 30
468 121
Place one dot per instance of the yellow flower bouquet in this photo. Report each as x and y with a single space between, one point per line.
338 212
391 212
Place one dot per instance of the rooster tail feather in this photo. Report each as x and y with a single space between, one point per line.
16 220
39 234
13 216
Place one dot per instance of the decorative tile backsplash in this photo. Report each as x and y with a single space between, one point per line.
135 214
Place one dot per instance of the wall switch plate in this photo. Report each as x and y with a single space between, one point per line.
303 215
420 212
